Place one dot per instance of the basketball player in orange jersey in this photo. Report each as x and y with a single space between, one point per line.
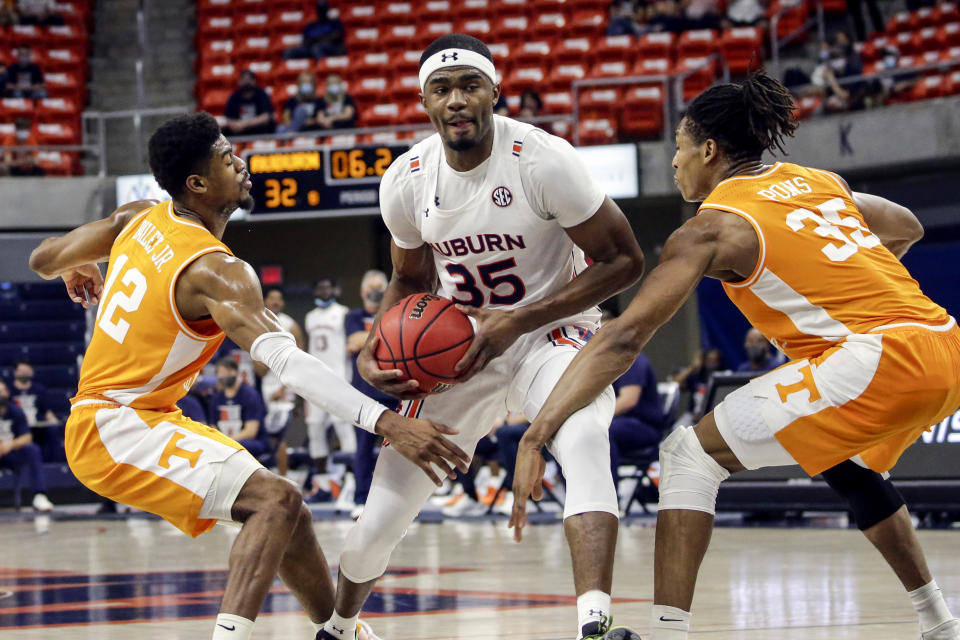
172 291
816 268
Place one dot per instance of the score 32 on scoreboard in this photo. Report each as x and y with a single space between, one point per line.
330 181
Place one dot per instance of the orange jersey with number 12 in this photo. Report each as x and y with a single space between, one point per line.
143 354
821 275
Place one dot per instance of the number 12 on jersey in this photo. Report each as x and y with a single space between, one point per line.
129 302
503 288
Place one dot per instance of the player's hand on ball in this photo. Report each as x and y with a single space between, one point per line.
385 380
496 331
527 483
84 284
423 443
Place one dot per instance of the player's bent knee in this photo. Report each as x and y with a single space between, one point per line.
871 497
689 476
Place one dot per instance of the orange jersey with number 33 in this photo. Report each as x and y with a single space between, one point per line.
821 275
143 354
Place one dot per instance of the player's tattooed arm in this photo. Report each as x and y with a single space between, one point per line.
895 225
606 237
74 256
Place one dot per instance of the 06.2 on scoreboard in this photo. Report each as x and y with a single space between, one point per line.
328 181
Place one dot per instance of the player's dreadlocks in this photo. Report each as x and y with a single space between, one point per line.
745 119
181 147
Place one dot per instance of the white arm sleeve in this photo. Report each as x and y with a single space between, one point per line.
396 205
556 180
315 381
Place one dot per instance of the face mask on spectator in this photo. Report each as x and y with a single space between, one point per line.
890 62
4 401
24 379
22 134
307 89
374 297
334 89
757 353
227 382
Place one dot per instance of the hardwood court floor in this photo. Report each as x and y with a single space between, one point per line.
456 581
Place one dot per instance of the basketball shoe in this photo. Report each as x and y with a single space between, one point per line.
597 629
949 630
363 632
622 633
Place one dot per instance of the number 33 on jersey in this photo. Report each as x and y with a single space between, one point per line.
138 322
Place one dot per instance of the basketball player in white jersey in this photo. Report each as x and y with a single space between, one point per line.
502 213
327 342
278 400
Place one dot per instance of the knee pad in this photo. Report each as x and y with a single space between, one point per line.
366 550
689 476
871 497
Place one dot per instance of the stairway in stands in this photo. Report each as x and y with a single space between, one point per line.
38 322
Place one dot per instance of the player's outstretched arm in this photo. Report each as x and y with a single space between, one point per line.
607 239
227 289
75 255
895 225
413 272
687 257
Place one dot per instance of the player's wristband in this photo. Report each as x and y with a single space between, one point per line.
315 381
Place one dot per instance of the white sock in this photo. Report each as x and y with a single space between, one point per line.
929 604
340 627
231 627
669 623
592 606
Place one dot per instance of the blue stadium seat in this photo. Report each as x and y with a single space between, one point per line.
58 400
40 310
31 331
53 352
52 375
42 290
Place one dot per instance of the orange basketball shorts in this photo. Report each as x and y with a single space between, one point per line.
870 396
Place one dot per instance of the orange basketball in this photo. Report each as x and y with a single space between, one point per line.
424 336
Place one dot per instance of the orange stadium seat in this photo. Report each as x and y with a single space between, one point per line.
656 44
926 39
361 40
949 34
928 58
280 42
289 20
951 56
922 17
414 114
430 31
904 43
536 52
651 67
58 110
477 27
56 133
597 131
396 13
549 24
600 102
952 84
367 91
703 75
64 59
333 64
214 100
407 62
946 12
264 145
26 34
375 63
262 68
358 16
405 89
610 69
66 36
642 112
873 49
6 53
589 23
564 75
207 8
615 48
697 43
57 163
472 9
501 56
381 115
215 26
558 102
512 27
926 88
288 70
65 85
792 19
544 6
216 52
399 36
898 22
250 6
13 108
253 24
574 50
807 106
252 48
435 11
523 78
512 7
834 7
740 47
219 76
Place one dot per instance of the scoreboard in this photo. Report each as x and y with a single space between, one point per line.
328 181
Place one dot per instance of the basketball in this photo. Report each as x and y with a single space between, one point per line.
424 336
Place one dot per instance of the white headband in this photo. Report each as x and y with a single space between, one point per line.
457 58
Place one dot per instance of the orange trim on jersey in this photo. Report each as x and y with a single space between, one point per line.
776 165
557 336
756 227
181 321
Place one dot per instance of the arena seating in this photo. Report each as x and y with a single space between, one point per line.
542 44
61 53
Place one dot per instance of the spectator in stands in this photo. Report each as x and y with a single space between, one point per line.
664 15
29 394
321 38
745 13
637 415
336 109
21 162
759 359
24 78
301 110
39 12
192 405
694 379
17 449
530 105
701 14
502 108
357 327
838 59
623 19
249 110
236 409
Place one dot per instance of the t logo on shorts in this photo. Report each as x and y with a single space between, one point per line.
173 450
806 382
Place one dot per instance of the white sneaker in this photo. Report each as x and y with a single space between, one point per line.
357 512
344 502
949 630
464 507
364 632
41 503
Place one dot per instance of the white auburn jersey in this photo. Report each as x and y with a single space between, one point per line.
326 337
505 246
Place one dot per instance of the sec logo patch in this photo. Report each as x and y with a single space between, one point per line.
502 197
